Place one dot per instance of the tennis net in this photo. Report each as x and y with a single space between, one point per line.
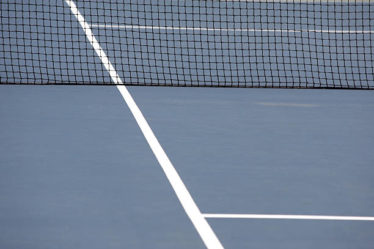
216 43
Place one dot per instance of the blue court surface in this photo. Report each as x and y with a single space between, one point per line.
77 172
80 167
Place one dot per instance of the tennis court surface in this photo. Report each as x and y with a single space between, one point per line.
267 142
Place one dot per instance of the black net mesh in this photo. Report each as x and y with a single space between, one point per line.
241 43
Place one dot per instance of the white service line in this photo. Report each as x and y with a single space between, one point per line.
330 31
288 217
299 1
202 226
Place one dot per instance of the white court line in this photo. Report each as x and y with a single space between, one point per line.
300 1
330 31
289 217
203 228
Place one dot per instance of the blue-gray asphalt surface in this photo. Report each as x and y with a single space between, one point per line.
76 172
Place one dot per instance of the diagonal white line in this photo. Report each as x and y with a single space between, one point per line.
289 217
203 228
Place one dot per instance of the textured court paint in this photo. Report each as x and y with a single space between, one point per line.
289 217
203 228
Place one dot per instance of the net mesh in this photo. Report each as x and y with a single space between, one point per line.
220 43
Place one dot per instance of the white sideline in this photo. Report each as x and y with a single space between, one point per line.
203 228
